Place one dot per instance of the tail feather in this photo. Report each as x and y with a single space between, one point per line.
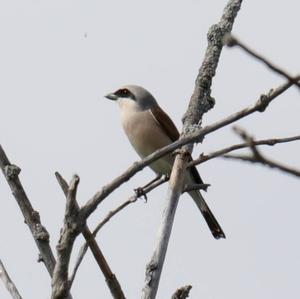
209 217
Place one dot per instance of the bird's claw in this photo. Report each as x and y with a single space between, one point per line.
141 192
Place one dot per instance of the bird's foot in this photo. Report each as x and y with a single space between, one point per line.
141 192
158 180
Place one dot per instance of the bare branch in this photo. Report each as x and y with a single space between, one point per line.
110 277
231 41
112 213
257 157
9 284
154 267
62 183
32 217
270 142
201 101
71 229
265 161
182 293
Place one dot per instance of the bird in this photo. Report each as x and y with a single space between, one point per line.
148 129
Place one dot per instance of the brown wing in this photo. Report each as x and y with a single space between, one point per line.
170 129
165 122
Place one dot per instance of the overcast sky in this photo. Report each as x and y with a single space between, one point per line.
57 60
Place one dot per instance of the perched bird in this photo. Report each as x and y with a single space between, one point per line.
148 129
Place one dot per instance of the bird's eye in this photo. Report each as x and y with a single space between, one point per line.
122 92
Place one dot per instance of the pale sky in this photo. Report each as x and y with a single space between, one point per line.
57 61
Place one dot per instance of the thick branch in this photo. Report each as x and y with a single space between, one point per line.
200 103
201 100
71 229
32 217
110 277
10 286
154 267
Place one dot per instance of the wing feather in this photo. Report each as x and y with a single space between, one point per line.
170 129
165 122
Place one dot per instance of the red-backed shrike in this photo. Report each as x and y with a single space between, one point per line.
148 129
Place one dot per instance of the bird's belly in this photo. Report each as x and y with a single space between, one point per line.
146 136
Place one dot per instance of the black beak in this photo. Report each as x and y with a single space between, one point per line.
111 96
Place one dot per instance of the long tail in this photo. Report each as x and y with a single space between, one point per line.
209 217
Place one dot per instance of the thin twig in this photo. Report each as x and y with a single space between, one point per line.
131 200
265 161
110 277
9 284
232 41
32 217
182 293
257 157
111 214
270 142
201 101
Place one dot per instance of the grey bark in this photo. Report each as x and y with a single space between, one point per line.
71 229
32 217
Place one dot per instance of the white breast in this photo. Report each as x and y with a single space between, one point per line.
145 134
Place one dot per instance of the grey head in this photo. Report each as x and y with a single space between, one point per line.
141 97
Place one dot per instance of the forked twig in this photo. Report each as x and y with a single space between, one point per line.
110 277
71 228
258 157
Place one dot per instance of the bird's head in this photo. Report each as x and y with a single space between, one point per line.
133 95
